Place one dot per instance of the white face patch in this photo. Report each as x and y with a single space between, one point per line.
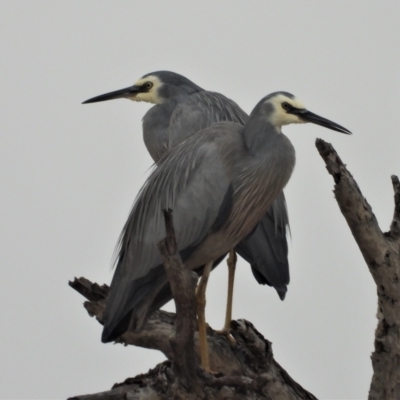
152 95
280 116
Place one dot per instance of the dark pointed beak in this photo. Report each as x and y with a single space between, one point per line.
308 116
118 94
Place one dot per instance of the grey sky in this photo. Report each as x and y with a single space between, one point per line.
69 173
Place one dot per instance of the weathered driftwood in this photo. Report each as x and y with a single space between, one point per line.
381 252
245 370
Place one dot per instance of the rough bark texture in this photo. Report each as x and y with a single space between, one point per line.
381 252
183 286
244 370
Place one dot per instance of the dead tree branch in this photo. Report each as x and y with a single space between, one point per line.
183 285
381 252
246 370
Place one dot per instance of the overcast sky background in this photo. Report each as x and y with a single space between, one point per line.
69 174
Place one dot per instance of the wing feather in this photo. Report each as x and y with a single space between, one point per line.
194 188
200 111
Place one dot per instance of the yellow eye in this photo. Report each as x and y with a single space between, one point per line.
148 85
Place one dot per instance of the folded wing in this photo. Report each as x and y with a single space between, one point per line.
194 188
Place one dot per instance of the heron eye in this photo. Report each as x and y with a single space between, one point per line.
148 85
286 106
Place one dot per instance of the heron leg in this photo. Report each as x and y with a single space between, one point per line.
201 305
232 258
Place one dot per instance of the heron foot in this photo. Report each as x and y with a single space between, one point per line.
226 331
215 374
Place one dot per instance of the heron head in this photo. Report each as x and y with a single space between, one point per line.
145 89
156 88
282 103
287 109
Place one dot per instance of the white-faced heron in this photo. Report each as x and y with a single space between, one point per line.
220 184
181 109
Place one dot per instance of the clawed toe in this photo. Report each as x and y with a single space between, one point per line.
227 332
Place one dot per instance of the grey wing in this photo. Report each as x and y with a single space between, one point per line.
182 184
266 249
200 111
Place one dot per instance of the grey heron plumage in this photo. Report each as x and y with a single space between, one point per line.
220 183
182 108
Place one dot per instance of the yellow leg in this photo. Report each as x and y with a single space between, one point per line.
231 278
201 305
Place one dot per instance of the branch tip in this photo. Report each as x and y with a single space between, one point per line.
395 182
395 225
169 220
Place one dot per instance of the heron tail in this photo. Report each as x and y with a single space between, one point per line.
137 308
149 293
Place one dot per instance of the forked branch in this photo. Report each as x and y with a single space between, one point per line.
381 253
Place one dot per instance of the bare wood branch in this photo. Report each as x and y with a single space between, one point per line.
246 371
183 285
395 225
354 207
131 392
382 255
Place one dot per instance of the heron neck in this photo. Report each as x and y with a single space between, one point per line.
155 128
258 134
